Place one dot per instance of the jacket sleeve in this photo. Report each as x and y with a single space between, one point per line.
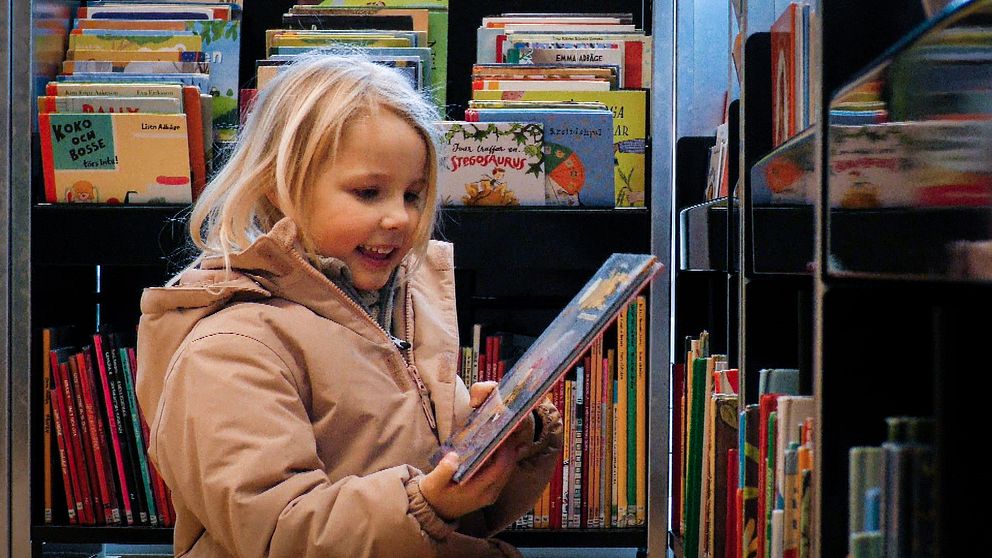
525 486
233 440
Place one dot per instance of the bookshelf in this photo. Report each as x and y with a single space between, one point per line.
55 252
869 303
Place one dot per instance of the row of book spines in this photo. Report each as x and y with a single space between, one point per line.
99 437
603 402
759 504
483 364
892 493
741 488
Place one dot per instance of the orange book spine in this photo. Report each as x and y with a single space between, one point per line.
194 132
47 157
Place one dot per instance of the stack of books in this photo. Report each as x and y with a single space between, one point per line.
95 439
584 87
140 78
410 35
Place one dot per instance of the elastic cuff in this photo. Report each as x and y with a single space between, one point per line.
431 523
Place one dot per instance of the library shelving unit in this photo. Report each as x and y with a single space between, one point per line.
87 264
877 304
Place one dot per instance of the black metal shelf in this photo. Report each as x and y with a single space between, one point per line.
100 535
526 238
782 240
541 237
577 538
610 538
904 244
107 234
703 236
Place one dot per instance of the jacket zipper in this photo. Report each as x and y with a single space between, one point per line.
405 348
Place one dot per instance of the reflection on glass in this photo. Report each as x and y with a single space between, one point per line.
910 156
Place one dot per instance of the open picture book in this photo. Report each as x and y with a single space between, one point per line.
560 346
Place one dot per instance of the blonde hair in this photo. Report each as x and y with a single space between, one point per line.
293 131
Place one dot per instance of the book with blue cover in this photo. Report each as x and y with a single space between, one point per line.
578 152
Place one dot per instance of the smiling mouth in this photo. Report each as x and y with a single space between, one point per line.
378 253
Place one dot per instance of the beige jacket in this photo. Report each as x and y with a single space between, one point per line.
288 424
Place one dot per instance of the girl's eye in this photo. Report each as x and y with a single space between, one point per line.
367 193
412 197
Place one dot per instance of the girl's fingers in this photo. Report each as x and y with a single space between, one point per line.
479 391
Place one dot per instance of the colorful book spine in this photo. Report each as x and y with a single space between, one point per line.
640 389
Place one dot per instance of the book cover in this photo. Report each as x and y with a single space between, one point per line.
786 175
577 152
629 108
725 441
84 414
65 89
136 55
105 158
637 50
492 164
783 84
62 436
558 347
632 416
115 423
90 383
623 370
136 40
155 11
749 476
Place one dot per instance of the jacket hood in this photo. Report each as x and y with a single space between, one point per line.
272 267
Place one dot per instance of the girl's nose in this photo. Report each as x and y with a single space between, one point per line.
395 216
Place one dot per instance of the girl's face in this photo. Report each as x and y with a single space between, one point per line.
366 206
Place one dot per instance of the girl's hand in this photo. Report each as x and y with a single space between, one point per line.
451 500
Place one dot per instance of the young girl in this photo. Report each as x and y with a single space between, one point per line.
299 374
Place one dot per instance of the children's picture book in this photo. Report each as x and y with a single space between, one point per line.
629 108
104 158
578 151
554 352
499 163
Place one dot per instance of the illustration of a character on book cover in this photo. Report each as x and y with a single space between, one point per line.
106 158
491 164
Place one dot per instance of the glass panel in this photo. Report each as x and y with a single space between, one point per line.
910 156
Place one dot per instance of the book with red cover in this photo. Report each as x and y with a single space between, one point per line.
84 417
90 381
110 405
61 439
766 406
70 433
784 87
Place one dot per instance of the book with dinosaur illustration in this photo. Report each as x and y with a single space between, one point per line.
491 164
562 344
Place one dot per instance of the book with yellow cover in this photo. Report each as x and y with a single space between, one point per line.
630 132
621 414
105 158
641 390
